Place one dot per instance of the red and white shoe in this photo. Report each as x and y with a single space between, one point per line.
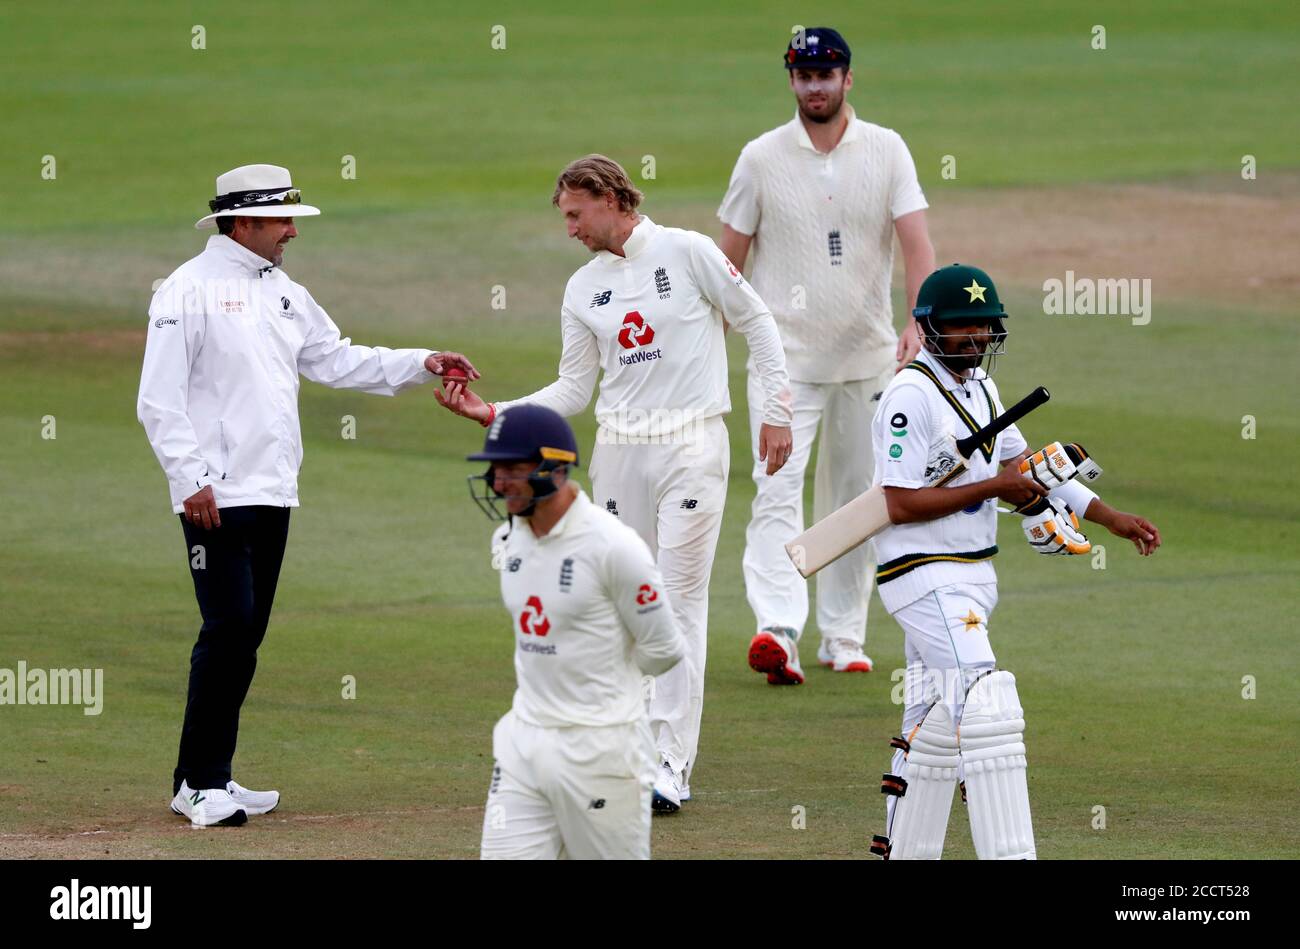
774 652
843 655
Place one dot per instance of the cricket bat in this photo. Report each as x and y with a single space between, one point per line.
867 515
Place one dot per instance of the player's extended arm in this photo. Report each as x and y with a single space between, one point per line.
1144 534
568 395
637 591
908 505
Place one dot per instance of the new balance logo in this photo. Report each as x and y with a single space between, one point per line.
597 804
836 248
601 298
513 564
689 504
662 286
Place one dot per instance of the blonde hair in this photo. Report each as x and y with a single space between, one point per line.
598 176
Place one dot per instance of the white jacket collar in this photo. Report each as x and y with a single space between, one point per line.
233 252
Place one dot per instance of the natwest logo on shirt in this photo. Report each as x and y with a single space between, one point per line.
532 621
646 594
635 332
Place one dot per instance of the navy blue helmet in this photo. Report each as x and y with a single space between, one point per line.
524 433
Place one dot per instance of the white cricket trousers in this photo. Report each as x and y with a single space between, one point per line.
946 644
845 466
577 793
673 494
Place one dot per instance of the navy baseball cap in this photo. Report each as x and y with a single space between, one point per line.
818 47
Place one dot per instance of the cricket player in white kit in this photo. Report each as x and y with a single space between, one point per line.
649 311
575 762
819 199
962 720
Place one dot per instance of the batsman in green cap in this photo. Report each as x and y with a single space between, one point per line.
962 720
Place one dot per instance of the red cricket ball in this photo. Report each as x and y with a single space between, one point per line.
454 375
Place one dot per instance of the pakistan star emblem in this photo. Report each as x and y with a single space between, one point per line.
970 619
976 291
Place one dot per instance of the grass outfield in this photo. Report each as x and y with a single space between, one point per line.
1131 676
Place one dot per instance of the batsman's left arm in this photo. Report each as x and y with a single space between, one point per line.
1134 527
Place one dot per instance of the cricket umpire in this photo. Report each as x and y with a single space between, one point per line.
820 199
575 760
229 333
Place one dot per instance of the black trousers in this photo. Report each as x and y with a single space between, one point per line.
234 581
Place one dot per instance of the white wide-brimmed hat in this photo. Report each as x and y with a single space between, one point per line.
256 191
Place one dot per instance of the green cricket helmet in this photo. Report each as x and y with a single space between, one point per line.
960 293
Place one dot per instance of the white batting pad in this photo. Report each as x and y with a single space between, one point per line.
920 815
991 740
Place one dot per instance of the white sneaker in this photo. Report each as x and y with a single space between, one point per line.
254 802
843 655
774 652
667 798
208 807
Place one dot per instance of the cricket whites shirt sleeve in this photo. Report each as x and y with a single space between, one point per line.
174 337
637 591
900 437
330 358
571 392
730 293
740 205
905 194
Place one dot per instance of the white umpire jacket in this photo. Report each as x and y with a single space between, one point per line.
228 336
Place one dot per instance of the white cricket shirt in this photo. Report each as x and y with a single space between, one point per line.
823 250
913 435
229 334
652 320
590 618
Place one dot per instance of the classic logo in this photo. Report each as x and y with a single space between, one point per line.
532 621
635 332
600 299
662 286
898 425
165 321
646 595
286 308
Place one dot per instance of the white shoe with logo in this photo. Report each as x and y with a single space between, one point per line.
208 807
254 802
667 798
843 655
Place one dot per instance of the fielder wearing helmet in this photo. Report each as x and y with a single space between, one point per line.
529 449
961 318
